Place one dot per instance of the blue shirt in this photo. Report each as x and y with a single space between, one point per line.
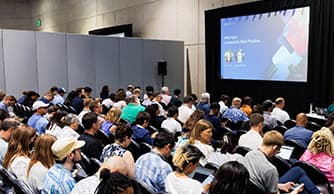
300 134
235 115
204 106
38 122
3 106
141 134
152 169
58 99
58 180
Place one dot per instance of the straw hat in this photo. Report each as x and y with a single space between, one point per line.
62 146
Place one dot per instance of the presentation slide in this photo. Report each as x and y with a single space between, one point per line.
269 46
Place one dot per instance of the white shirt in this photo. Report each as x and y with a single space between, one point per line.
220 159
36 176
280 115
162 110
184 113
87 185
222 106
184 185
252 139
206 149
107 102
172 125
19 167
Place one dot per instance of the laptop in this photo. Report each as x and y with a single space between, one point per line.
285 152
201 174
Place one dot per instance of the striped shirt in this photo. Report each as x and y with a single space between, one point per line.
58 180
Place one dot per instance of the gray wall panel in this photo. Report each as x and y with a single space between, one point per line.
131 62
174 55
107 63
80 60
2 67
153 52
20 61
51 60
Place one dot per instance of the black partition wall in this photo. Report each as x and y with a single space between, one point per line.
319 88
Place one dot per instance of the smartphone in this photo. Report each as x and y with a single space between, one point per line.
208 180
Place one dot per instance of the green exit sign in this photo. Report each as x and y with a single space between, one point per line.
38 22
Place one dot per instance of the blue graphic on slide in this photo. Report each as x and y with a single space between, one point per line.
268 46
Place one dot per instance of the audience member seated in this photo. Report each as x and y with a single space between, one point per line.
86 103
140 132
72 123
48 97
265 176
157 100
41 161
123 136
171 124
7 102
7 127
89 184
253 139
213 118
108 102
226 153
188 126
165 95
17 158
232 178
37 120
234 114
204 103
56 124
278 112
114 183
200 137
223 103
320 153
129 90
247 106
104 94
185 110
155 118
59 96
269 120
299 133
120 97
93 147
152 168
186 159
111 118
130 112
28 98
59 178
176 98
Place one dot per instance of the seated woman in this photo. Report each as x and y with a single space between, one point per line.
186 160
114 183
112 116
17 158
41 161
319 152
231 178
201 137
123 136
72 123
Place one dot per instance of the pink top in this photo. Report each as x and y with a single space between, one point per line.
323 161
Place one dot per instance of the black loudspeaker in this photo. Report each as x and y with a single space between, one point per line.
162 67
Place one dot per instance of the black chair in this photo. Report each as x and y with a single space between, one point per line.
86 165
245 126
290 123
141 187
134 148
103 138
212 166
317 177
242 150
281 128
253 189
313 126
266 128
298 149
10 184
281 165
95 164
145 147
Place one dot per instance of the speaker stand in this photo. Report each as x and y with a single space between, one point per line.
162 80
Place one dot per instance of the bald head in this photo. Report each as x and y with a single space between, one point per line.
301 119
236 102
115 164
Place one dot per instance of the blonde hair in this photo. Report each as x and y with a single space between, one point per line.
200 126
185 155
42 151
113 114
322 141
272 138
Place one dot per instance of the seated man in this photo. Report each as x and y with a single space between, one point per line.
269 120
278 112
253 139
89 184
37 120
131 111
265 176
140 133
59 178
299 133
152 168
234 114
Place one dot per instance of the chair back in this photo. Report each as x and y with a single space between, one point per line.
316 176
242 150
298 149
95 164
290 123
212 166
313 126
10 184
281 165
252 189
245 126
281 128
